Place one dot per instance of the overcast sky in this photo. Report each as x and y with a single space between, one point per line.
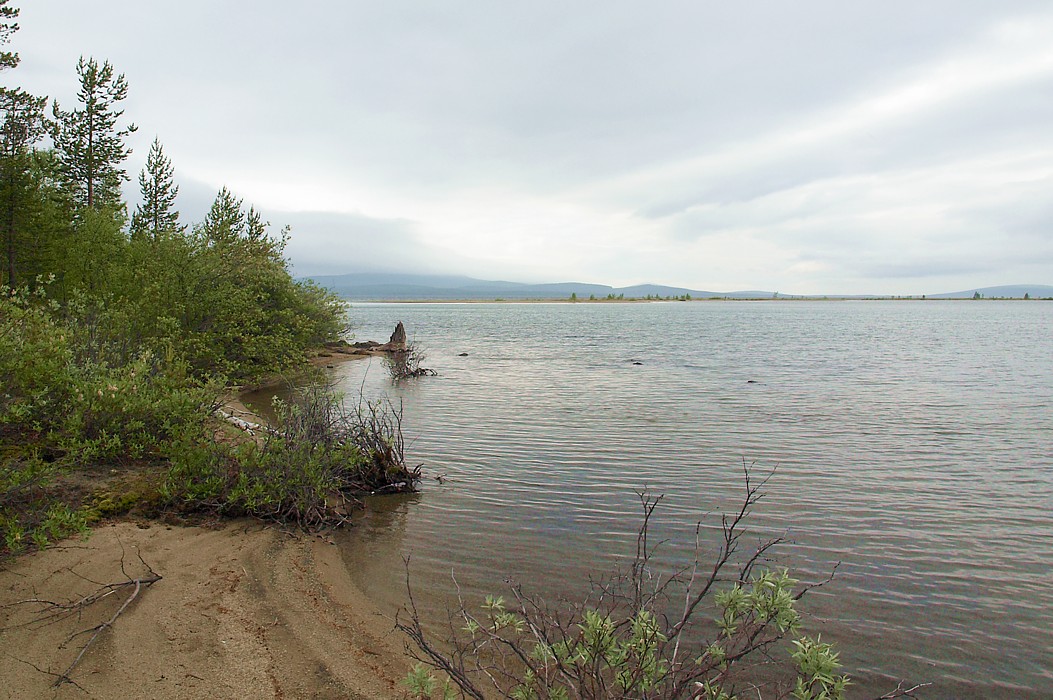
805 147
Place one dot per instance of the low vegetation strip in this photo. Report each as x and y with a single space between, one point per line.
305 469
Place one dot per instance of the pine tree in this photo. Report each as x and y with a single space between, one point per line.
22 126
225 221
90 146
156 214
8 59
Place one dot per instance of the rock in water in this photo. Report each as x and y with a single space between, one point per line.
398 338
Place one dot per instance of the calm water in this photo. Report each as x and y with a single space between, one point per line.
913 440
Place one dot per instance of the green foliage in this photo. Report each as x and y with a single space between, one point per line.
95 259
420 681
305 470
23 126
90 146
156 214
76 386
816 665
630 656
29 518
8 59
423 685
133 411
242 314
34 218
768 598
113 345
641 634
33 358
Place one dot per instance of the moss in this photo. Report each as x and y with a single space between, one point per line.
137 494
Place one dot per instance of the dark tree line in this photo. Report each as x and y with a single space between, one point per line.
118 332
217 295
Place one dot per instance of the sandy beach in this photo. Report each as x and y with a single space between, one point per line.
243 610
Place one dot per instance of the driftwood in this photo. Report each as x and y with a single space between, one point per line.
248 426
55 611
396 343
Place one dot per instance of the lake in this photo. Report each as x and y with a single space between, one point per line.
912 441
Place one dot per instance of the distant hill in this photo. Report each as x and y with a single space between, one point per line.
376 286
1009 291
391 287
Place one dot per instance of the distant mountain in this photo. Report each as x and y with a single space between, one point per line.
391 287
376 286
1009 291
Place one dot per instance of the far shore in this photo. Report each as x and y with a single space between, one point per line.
780 299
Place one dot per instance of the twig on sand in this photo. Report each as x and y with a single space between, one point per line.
53 611
137 584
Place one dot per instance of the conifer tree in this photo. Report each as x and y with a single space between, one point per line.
8 59
229 226
91 148
225 220
156 214
22 124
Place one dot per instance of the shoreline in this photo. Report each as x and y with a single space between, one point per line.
644 300
243 609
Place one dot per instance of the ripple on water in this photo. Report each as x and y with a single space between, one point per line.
912 445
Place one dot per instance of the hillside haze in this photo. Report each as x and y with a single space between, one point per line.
378 286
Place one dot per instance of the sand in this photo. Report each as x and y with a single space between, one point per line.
243 610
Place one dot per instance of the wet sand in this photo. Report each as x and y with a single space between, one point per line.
242 611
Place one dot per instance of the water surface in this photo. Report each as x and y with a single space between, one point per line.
912 442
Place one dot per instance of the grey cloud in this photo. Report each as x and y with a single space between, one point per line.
549 100
325 243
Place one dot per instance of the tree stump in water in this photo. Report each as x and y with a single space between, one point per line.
398 338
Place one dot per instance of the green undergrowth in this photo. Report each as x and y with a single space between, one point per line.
95 425
79 404
307 469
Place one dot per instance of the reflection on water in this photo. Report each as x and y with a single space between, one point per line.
378 536
912 442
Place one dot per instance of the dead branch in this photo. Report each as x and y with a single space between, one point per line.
52 612
432 655
137 584
901 692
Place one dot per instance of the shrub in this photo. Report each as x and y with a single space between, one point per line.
133 411
29 516
641 634
75 384
34 357
407 363
306 469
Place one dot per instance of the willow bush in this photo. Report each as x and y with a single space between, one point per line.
720 629
307 468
